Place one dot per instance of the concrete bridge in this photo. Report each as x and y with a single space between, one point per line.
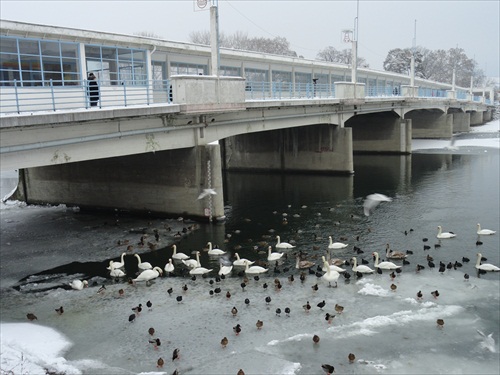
158 158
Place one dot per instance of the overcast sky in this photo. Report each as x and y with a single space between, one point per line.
309 26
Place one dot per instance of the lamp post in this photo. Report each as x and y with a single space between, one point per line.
412 63
354 74
214 38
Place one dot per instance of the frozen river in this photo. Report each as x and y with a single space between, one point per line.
390 331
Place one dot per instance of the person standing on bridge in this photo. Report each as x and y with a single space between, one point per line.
93 90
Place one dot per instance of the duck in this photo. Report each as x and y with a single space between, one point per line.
271 257
178 256
333 267
361 268
384 265
486 266
225 270
391 254
254 269
120 264
442 234
192 263
169 267
283 245
214 251
330 275
143 265
241 261
78 284
486 232
148 275
303 264
336 245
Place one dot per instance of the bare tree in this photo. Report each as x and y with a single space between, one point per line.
340 57
241 41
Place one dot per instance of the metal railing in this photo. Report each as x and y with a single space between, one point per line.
51 95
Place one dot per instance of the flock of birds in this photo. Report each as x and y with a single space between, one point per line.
329 271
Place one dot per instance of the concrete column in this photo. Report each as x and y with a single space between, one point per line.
349 90
164 183
431 124
318 149
487 115
476 118
461 122
409 91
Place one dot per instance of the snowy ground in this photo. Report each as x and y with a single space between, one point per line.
390 332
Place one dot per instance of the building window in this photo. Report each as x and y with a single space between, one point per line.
33 62
117 66
230 71
177 68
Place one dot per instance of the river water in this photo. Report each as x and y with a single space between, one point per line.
454 186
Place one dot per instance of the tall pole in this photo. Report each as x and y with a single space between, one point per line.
412 63
214 38
354 74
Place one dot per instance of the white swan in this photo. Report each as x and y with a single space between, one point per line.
169 267
391 254
148 275
283 245
254 269
120 264
178 256
384 265
143 265
200 271
271 257
442 234
486 266
192 263
484 231
303 264
214 251
241 261
336 245
372 201
361 268
78 284
333 267
330 275
116 272
225 270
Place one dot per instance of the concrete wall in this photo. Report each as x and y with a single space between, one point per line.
430 124
380 133
318 149
166 182
461 122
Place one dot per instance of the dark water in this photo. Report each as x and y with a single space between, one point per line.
455 191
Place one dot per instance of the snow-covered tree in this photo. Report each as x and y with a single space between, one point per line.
435 65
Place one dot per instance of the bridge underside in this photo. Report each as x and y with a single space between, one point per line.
166 182
309 149
382 132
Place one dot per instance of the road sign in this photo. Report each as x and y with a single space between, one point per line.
346 36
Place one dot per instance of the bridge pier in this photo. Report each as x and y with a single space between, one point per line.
431 124
312 149
476 118
461 122
487 115
161 183
380 133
